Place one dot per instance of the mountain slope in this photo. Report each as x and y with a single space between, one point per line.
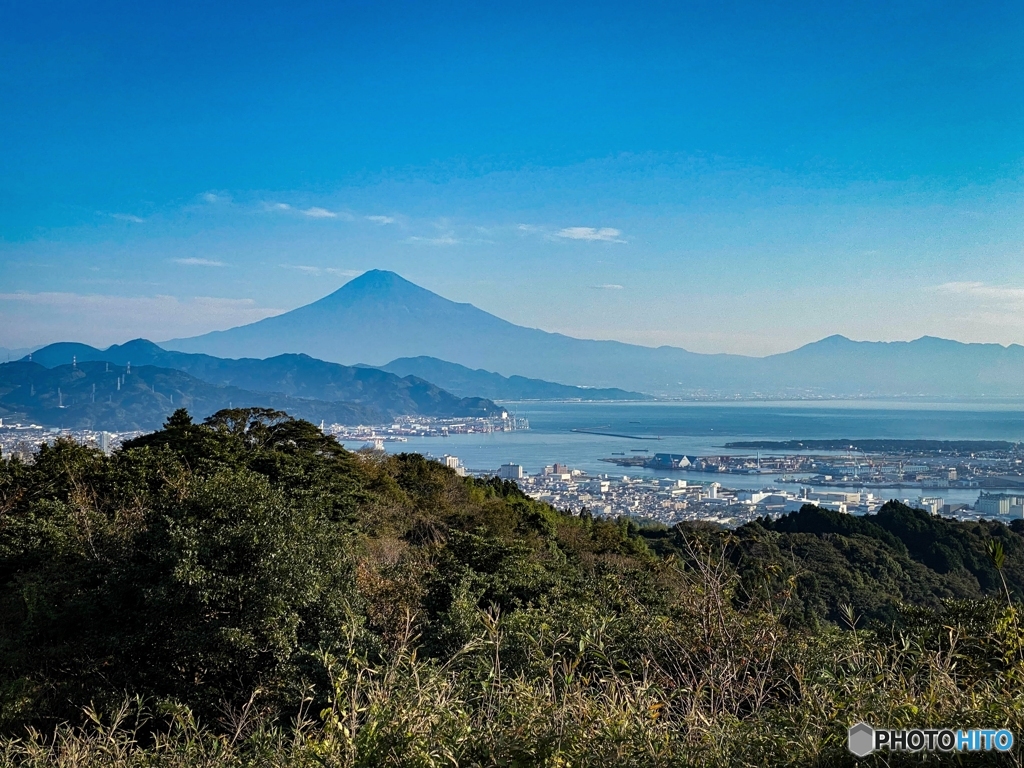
927 365
379 317
461 380
291 375
97 395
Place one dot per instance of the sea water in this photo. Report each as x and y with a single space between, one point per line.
703 428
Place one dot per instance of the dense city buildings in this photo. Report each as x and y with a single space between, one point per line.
844 482
405 427
855 483
925 469
23 440
670 500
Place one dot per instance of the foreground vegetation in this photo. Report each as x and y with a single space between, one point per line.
245 592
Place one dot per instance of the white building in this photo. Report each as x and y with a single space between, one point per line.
993 504
511 472
835 506
1000 504
835 497
452 462
751 497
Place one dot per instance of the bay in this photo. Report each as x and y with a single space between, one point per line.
703 428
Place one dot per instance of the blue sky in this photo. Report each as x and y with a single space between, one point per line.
741 177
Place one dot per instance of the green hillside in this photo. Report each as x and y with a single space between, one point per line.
94 395
102 395
295 376
245 592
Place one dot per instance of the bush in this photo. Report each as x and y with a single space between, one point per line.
244 592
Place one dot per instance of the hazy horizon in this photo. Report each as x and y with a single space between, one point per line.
162 341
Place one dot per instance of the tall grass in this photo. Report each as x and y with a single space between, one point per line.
704 684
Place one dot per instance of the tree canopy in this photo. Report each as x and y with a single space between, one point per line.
250 561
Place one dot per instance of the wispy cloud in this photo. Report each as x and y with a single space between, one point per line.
602 234
980 303
607 287
312 212
319 213
310 270
127 217
192 262
448 233
440 240
381 219
982 291
213 197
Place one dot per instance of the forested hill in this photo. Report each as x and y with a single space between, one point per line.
301 385
877 562
95 395
260 596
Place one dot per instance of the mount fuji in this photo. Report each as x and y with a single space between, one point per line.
379 316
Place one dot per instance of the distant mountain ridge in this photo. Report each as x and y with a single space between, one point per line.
928 365
371 393
380 317
96 395
460 380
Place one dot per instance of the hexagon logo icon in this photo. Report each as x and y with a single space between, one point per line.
860 739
